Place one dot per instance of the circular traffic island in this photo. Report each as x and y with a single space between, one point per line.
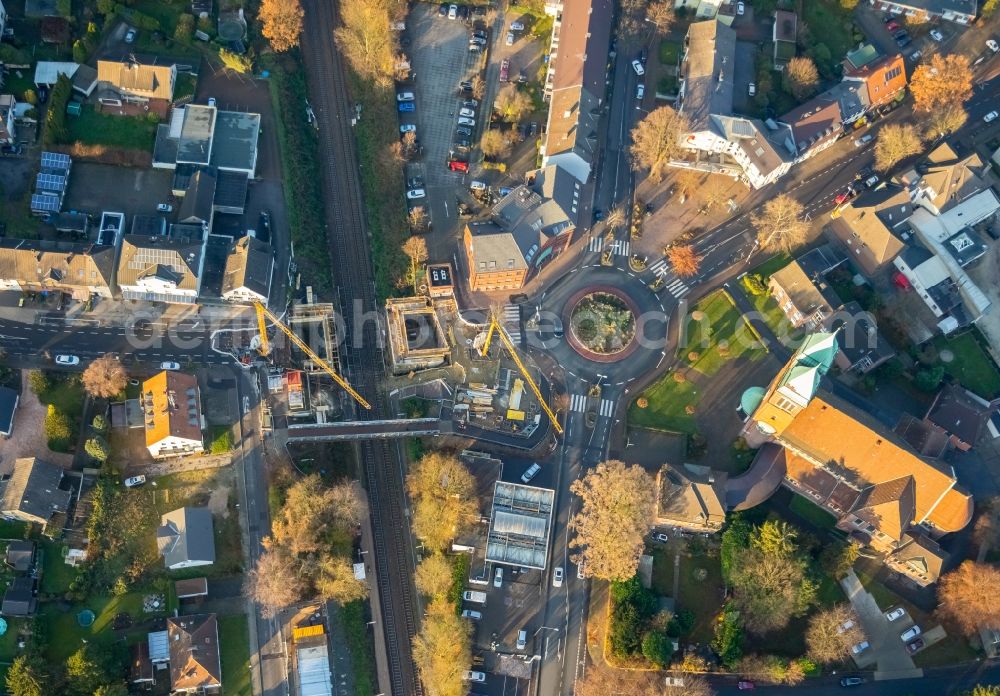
602 324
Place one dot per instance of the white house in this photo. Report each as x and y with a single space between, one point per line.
248 271
185 538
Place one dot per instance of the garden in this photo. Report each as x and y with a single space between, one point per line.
603 323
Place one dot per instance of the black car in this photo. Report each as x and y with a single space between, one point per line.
443 10
463 131
913 647
904 42
479 34
899 34
463 11
852 681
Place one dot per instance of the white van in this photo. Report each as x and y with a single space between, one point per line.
522 639
474 596
530 473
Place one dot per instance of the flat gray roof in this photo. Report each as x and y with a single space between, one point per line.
520 525
195 144
235 143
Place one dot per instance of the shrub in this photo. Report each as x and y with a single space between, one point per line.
185 28
97 448
234 61
30 97
930 378
106 7
657 648
79 52
222 442
55 119
39 382
58 429
754 284
144 21
681 623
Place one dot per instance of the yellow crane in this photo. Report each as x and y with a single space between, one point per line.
496 328
264 313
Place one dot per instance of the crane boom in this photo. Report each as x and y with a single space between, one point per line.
265 346
263 311
495 327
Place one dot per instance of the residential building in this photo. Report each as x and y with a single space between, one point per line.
195 664
818 123
440 280
945 179
20 555
575 83
32 492
79 270
868 229
862 346
83 77
7 105
3 19
171 407
697 506
248 271
138 83
163 269
784 34
191 588
919 558
140 668
884 80
8 409
807 301
20 598
702 9
883 494
863 55
963 417
186 538
495 261
958 11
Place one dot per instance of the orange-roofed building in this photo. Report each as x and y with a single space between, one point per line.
171 408
883 494
885 79
195 663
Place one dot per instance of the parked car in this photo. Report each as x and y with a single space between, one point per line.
462 130
135 481
477 41
408 128
899 33
130 35
852 681
863 140
443 10
170 365
470 103
913 646
465 85
740 9
916 55
861 647
458 166
504 70
452 11
557 577
414 194
466 121
469 674
510 38
472 614
165 208
407 107
936 35
990 116
477 186
498 577
517 26
872 181
211 101
531 472
463 11
640 91
752 89
894 614
904 42
468 113
892 25
910 633
67 360
12 149
475 48
404 96
637 66
661 537
745 684
522 639
993 45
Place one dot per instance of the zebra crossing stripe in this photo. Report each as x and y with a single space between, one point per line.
607 408
596 244
659 268
578 403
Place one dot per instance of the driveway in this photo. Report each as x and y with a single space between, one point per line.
887 653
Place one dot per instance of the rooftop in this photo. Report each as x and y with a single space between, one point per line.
520 525
171 407
235 141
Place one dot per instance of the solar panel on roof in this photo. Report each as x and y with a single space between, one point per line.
743 128
50 182
44 203
55 160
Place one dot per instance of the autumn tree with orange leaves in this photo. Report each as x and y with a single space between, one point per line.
968 596
281 22
943 82
684 259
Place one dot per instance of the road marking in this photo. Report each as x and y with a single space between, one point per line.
620 247
678 289
660 268
596 244
607 407
512 322
578 403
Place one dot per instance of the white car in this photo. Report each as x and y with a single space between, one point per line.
910 633
135 481
468 113
414 194
662 538
990 116
469 674
557 577
466 121
498 577
211 101
170 366
915 55
510 38
516 26
894 614
404 96
936 35
165 208
408 128
531 472
472 614
452 11
861 647
640 91
580 574
637 66
993 45
863 140
67 360
752 89
740 9
477 186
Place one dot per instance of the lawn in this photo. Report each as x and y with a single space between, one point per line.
702 596
57 575
60 622
234 648
811 513
972 367
122 132
352 616
65 392
716 333
669 50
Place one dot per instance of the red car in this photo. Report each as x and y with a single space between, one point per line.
504 70
745 685
457 166
893 26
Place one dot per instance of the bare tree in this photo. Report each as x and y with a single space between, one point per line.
658 139
417 218
684 260
801 77
478 87
444 499
688 180
281 23
335 580
615 219
944 81
442 651
275 582
511 103
968 596
495 144
105 377
433 576
660 13
895 143
780 224
618 505
944 121
409 144
415 249
831 634
367 41
314 515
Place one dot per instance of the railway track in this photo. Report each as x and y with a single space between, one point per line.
352 267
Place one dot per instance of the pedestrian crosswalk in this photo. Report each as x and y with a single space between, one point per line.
596 244
512 322
607 408
578 403
678 289
619 247
660 268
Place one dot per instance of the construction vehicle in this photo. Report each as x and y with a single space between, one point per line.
263 313
497 328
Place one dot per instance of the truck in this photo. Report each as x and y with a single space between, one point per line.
474 596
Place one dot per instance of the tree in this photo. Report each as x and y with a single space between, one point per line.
106 7
314 516
849 4
779 224
185 28
944 121
442 650
236 62
79 52
367 41
684 260
929 378
433 576
417 217
275 582
989 7
660 13
111 690
39 382
335 580
800 77
831 634
97 448
511 103
728 640
105 377
895 142
58 429
615 219
415 249
836 559
478 87
984 690
774 537
657 647
495 144
84 675
771 669
941 82
99 424
28 676
444 499
656 140
687 181
968 596
281 23
617 508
